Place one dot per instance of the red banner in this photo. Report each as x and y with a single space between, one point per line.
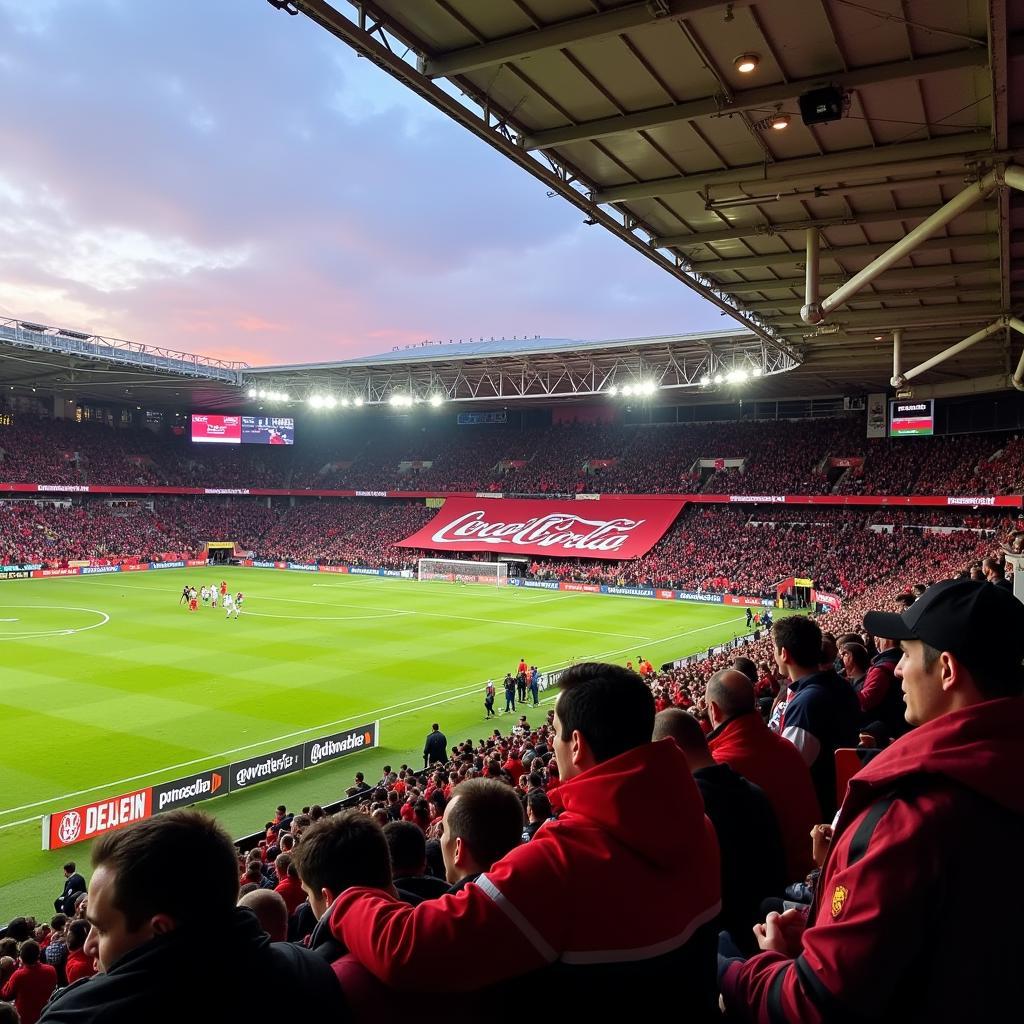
512 526
91 820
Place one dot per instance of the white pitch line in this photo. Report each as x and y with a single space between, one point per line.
458 692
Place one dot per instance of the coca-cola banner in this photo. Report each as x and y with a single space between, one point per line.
611 529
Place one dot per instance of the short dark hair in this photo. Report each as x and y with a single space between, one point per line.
78 931
487 817
29 952
538 802
612 708
146 859
59 922
859 653
70 866
407 846
801 637
746 666
344 850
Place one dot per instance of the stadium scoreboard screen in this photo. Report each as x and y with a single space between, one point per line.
210 429
913 417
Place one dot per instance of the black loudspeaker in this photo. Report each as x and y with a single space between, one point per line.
821 105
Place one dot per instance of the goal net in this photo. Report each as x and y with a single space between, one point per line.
493 574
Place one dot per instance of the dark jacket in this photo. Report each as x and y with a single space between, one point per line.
435 748
880 695
750 846
415 889
902 929
224 971
821 716
65 902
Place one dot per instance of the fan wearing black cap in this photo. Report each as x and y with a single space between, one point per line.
901 928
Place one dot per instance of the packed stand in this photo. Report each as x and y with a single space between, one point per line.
778 456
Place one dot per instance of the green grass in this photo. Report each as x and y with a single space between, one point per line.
144 692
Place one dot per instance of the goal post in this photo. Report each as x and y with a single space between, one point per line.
492 574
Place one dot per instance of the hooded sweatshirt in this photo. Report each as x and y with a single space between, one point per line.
605 903
916 915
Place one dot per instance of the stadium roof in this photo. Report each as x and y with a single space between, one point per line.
640 114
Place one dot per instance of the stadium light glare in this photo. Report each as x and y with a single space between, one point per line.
628 390
261 393
252 393
357 401
718 378
648 387
344 403
756 372
613 391
436 400
316 401
705 381
329 401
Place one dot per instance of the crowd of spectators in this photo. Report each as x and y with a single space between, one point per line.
775 456
776 892
739 548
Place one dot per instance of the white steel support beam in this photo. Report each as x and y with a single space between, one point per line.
899 379
813 244
815 312
747 99
897 353
563 33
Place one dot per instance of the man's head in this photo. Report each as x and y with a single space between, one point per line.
855 659
962 642
271 911
601 712
69 869
253 872
139 891
435 727
729 693
58 923
538 806
993 570
340 852
675 724
300 823
408 849
797 646
77 933
29 952
747 667
482 822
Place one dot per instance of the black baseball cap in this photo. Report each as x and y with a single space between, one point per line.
981 624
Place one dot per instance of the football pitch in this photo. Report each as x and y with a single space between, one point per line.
108 684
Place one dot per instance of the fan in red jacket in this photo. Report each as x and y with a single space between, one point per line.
602 905
741 740
31 985
916 914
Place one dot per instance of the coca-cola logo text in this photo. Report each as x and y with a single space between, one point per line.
555 530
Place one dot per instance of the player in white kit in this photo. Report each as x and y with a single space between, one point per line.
229 606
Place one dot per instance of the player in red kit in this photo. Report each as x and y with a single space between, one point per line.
223 587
